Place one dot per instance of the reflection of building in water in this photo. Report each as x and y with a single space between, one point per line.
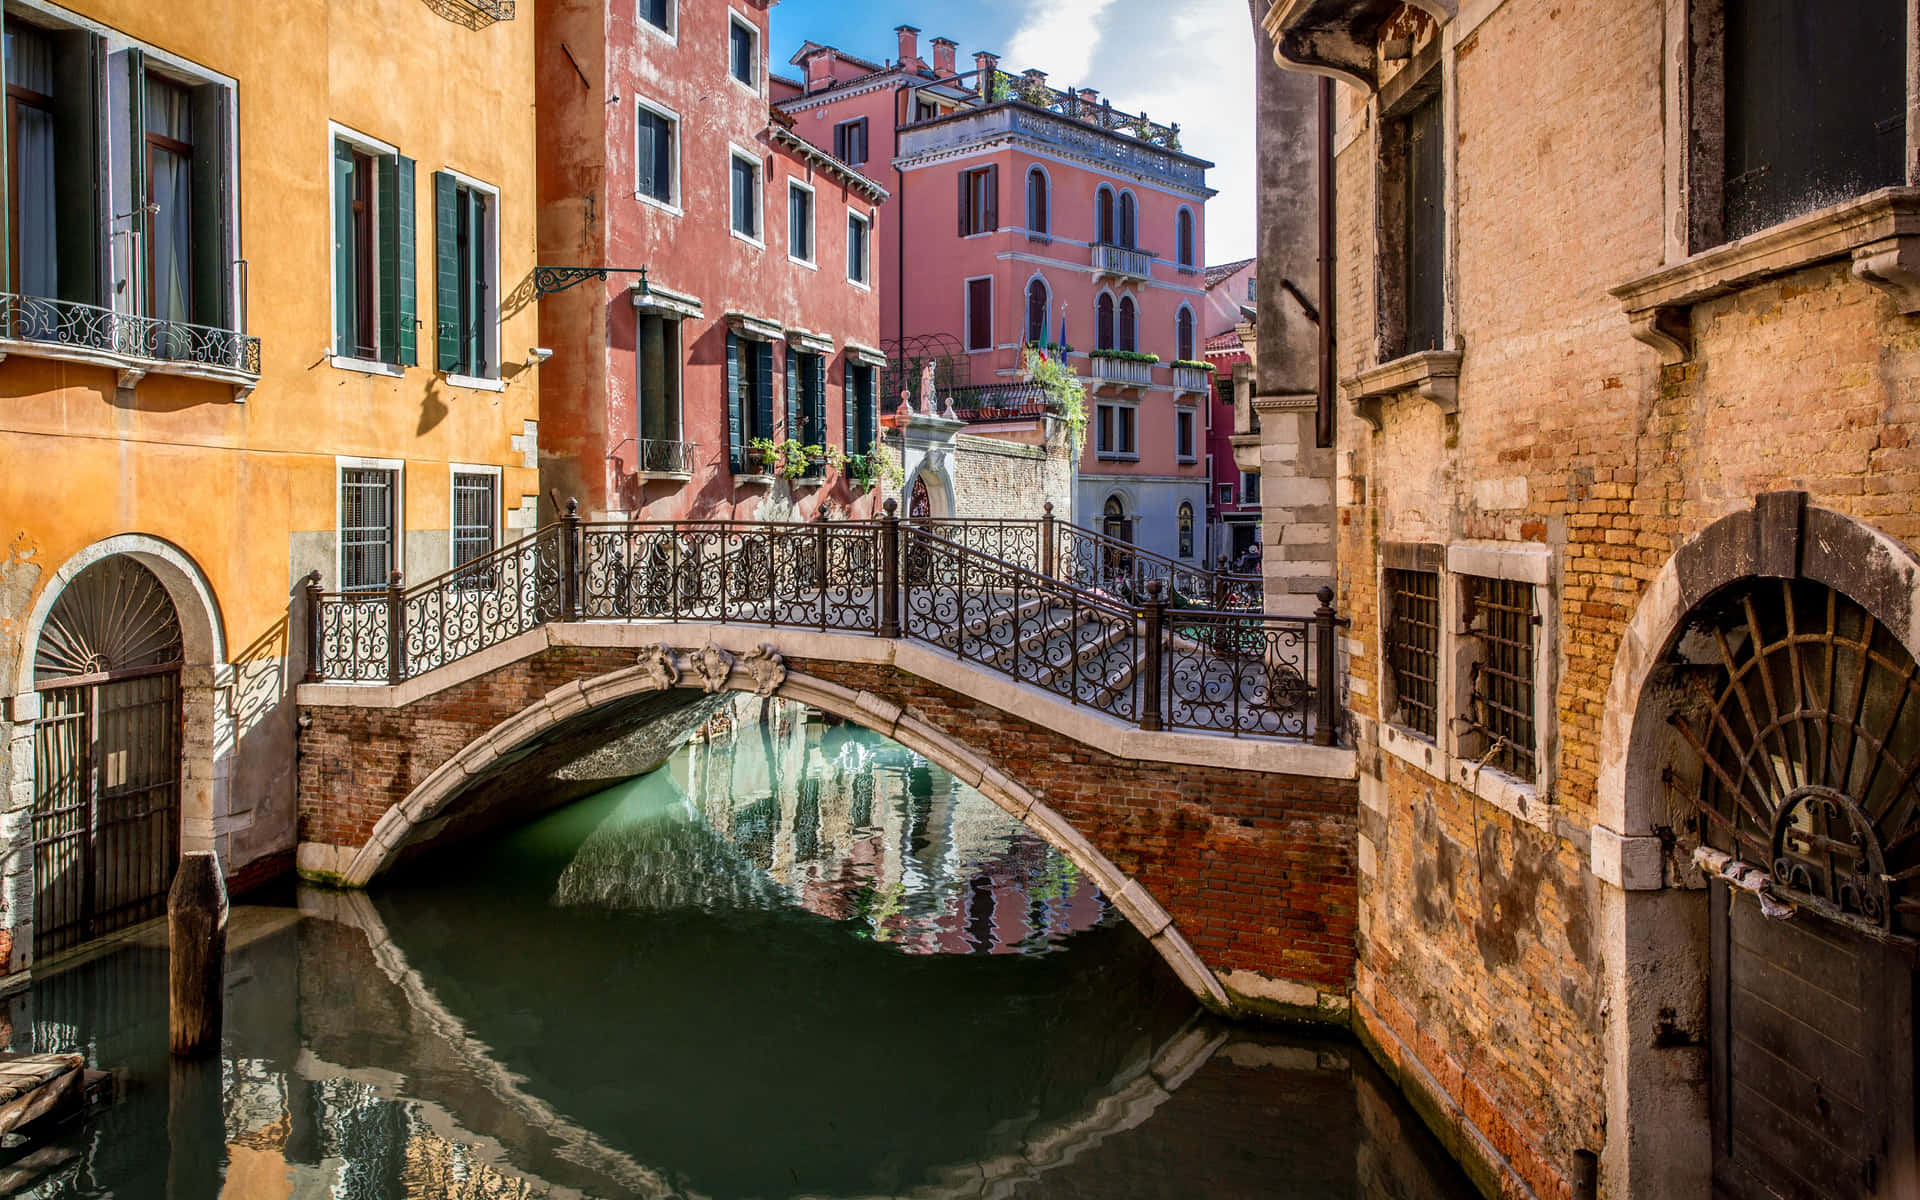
855 827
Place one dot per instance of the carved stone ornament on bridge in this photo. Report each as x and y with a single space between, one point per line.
656 663
712 665
768 669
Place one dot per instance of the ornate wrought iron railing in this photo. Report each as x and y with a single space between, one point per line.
653 456
1027 599
77 326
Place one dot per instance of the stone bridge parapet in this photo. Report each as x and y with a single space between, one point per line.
1233 856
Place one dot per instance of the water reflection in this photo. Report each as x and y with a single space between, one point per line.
693 986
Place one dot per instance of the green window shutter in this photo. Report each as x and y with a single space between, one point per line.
136 97
762 388
849 416
792 397
869 409
211 113
344 284
406 308
396 248
79 181
817 402
446 270
736 441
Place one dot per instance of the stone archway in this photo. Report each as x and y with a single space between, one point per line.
203 745
1659 935
711 671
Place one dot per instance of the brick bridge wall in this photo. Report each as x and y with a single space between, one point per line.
1256 869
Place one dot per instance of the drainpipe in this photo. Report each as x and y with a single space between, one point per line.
899 229
1324 416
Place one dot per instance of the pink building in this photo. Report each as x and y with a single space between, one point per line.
1023 214
757 318
1234 507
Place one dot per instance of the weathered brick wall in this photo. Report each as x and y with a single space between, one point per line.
1256 868
995 478
1479 954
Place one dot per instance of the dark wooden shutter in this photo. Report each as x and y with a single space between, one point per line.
816 415
1103 323
736 439
446 271
77 165
868 415
345 287
849 406
210 108
792 397
840 135
966 217
136 83
762 388
991 219
1426 228
860 149
646 135
979 314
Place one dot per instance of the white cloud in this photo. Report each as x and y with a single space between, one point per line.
1059 37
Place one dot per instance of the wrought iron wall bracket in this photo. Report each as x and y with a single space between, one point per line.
548 280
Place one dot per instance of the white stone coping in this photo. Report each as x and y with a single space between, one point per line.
653 296
865 355
809 341
1101 732
761 329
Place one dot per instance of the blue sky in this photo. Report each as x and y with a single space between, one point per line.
1186 61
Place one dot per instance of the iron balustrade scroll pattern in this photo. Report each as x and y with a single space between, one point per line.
128 335
653 456
1004 594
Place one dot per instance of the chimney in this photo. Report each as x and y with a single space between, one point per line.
943 49
1089 100
986 64
1034 85
909 46
819 70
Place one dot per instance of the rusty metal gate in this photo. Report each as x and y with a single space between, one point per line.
107 754
1802 718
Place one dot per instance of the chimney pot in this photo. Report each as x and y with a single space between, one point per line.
909 46
984 65
943 51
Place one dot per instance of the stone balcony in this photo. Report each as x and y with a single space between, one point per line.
1121 262
1121 371
1192 379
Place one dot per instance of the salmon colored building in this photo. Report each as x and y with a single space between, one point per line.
757 317
1233 510
1021 214
251 327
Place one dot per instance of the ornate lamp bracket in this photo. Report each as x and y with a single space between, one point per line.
548 280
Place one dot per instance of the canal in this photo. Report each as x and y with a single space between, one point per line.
796 961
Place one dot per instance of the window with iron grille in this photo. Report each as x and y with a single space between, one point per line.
1413 649
1498 616
366 527
474 504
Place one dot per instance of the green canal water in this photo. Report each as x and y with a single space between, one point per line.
796 962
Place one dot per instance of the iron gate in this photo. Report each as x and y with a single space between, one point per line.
107 753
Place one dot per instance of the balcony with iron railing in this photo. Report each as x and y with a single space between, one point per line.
1122 262
654 458
1127 372
134 346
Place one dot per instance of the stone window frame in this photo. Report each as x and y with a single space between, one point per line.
1443 758
1875 231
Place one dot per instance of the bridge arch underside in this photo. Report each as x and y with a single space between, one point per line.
1243 883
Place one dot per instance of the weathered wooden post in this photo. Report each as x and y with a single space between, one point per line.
396 628
1156 616
310 591
890 570
196 953
1324 679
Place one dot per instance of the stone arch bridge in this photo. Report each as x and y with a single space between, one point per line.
1170 754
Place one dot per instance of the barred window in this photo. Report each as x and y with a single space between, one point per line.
1498 614
1413 649
474 506
366 527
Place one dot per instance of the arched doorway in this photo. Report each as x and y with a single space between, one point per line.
107 754
1799 753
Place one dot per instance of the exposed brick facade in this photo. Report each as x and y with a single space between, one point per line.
1256 868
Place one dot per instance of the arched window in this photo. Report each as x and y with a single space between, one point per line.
1103 320
1128 224
1183 338
1185 237
1103 215
1037 331
1036 201
1113 520
1128 332
1186 529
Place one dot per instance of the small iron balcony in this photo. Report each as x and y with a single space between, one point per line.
133 345
659 459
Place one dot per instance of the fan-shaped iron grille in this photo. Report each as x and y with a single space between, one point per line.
1807 733
114 616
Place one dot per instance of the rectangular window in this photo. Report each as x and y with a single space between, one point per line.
857 228
1114 431
861 415
1412 636
980 314
749 400
374 290
746 197
465 253
657 158
658 340
476 508
368 502
1425 229
799 223
806 398
1226 493
169 217
743 51
925 110
658 13
1183 434
1497 616
979 200
34 152
1249 487
850 142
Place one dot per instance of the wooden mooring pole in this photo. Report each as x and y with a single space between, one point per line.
197 954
